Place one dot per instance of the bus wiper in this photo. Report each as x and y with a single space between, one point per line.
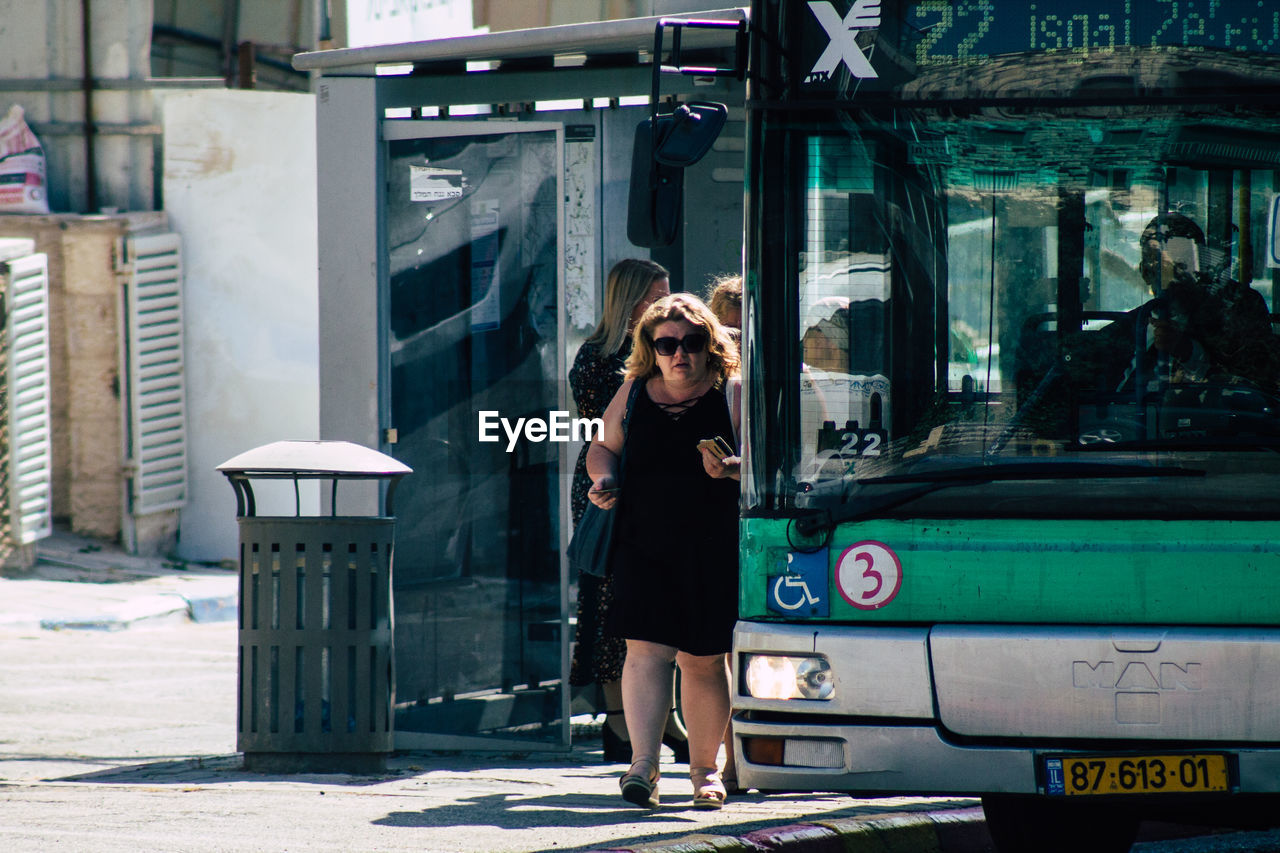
1033 471
817 521
820 520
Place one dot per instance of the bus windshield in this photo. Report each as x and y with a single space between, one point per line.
1037 311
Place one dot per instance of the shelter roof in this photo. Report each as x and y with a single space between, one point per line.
629 36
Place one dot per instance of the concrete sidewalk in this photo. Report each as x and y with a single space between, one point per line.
72 717
118 729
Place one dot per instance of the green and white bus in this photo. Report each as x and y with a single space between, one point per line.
1011 512
1011 487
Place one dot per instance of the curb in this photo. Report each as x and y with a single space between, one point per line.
101 593
211 601
162 608
951 831
144 611
217 609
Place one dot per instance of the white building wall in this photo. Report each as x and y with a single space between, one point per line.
240 187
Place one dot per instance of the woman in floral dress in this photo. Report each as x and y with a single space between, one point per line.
633 285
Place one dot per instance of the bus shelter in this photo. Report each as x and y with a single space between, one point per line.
473 194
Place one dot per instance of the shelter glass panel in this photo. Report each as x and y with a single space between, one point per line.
472 240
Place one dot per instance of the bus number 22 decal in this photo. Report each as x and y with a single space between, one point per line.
868 575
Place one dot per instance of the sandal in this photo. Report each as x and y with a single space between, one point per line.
640 787
708 790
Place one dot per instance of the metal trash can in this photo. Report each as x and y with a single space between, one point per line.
316 665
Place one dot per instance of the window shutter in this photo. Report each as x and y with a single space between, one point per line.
30 415
156 372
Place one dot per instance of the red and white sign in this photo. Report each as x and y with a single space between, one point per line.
868 575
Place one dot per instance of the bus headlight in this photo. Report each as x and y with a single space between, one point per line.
788 677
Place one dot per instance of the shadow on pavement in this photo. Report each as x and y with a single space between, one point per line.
219 768
588 809
230 768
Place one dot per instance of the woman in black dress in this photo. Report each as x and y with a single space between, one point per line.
632 286
675 567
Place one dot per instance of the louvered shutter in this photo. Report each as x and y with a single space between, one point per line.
30 415
156 372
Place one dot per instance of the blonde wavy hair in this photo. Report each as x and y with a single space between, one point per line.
627 286
722 351
725 294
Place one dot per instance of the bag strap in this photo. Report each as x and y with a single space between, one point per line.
636 385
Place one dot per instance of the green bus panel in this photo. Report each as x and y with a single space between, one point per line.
1100 572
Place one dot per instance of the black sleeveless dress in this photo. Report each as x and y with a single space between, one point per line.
675 567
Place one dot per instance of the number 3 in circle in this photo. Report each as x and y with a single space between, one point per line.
868 575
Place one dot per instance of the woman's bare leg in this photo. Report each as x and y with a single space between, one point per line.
646 695
704 689
675 727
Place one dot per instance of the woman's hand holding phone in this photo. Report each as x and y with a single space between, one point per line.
718 458
717 446
604 493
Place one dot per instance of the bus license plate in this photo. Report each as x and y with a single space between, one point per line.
1083 775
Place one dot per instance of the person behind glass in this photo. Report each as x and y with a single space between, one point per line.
725 301
632 286
1204 325
675 565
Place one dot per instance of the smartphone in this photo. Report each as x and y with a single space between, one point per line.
607 492
718 446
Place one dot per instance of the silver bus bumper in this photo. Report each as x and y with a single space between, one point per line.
973 709
916 760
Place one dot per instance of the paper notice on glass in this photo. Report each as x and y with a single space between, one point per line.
486 270
427 183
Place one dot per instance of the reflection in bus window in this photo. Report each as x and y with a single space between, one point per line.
845 286
1015 244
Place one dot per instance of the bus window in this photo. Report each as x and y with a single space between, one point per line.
979 290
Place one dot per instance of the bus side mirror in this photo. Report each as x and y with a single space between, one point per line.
664 146
1273 235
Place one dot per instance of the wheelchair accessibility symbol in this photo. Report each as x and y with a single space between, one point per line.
803 587
795 595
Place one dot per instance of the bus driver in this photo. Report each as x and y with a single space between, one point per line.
1204 325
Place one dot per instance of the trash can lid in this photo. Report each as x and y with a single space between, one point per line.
325 458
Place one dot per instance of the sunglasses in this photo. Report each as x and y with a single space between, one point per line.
691 344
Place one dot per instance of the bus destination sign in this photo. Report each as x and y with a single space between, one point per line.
947 31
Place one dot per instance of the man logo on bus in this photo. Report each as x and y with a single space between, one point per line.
843 47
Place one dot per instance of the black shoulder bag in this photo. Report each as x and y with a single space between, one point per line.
592 542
